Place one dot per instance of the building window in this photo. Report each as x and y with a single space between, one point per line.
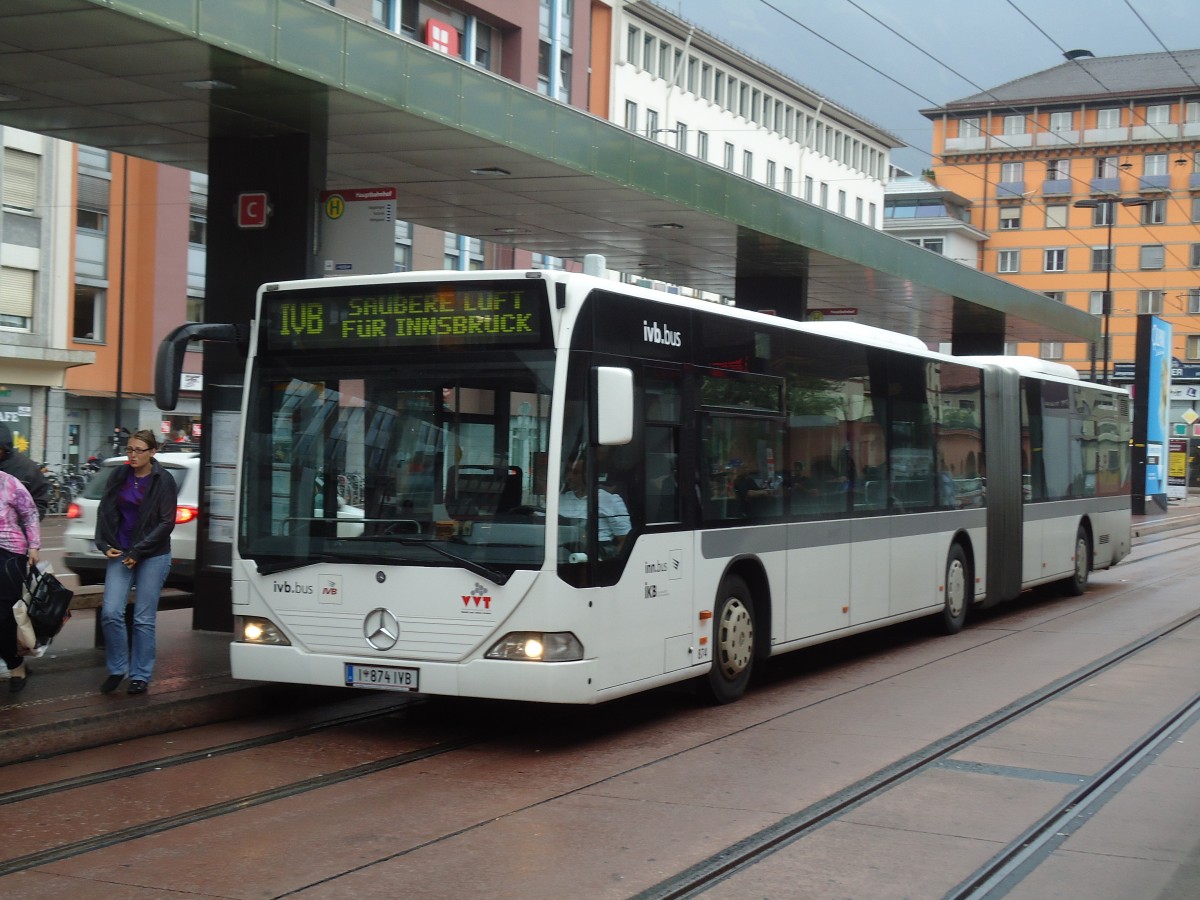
1061 121
702 145
1056 296
841 207
871 213
824 195
1056 215
969 127
648 54
1191 112
1159 114
1154 212
632 43
1055 260
1193 346
402 256
18 190
858 209
1058 169
631 115
1096 303
1107 167
728 157
933 245
788 177
1103 214
1196 209
1014 124
17 288
1150 303
681 136
1100 259
1194 256
652 124
1193 301
747 163
1051 350
1108 118
1012 171
771 173
1010 218
1151 256
808 188
87 318
1008 261
1155 164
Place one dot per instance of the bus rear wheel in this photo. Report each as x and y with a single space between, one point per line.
733 643
958 592
1077 583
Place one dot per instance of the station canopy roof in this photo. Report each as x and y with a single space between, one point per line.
468 152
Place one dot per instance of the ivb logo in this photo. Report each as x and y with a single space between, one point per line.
291 587
331 588
657 333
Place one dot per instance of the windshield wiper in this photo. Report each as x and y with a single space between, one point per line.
272 566
470 565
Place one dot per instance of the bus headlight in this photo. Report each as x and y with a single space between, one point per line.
252 630
537 646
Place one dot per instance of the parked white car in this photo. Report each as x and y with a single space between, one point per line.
88 563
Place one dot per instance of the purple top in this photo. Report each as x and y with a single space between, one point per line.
129 499
19 529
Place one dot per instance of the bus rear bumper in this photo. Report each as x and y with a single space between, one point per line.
566 682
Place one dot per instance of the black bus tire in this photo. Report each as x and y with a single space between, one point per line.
732 643
1077 583
958 591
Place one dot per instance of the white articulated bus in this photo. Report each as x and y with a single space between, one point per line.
546 486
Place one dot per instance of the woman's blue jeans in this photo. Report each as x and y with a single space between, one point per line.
148 577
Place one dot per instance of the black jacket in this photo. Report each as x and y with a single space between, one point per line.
26 471
156 516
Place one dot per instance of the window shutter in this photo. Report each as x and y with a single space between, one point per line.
20 179
16 292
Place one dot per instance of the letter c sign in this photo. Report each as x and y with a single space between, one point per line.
253 209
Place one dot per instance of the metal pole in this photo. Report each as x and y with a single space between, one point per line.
1108 267
121 307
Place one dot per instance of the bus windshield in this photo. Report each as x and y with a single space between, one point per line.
427 462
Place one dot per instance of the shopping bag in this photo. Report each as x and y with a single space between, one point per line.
26 638
47 601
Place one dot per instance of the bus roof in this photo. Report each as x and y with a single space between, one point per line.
1025 365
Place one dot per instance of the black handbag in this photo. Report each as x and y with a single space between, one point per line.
48 603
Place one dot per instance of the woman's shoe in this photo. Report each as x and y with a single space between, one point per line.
137 686
111 683
17 678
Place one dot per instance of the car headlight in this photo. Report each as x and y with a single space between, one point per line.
537 646
253 630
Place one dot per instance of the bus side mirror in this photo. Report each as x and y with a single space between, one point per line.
169 363
613 405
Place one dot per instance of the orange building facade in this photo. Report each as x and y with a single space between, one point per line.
1086 179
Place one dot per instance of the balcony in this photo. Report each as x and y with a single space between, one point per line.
1149 183
1194 181
1106 185
966 144
1056 186
1164 132
1057 138
1010 190
1106 135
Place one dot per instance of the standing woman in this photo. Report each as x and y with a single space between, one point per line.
133 529
20 538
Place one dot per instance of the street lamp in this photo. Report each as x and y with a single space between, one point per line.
1110 205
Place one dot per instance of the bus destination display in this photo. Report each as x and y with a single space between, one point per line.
447 314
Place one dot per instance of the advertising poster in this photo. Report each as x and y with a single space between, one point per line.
1158 406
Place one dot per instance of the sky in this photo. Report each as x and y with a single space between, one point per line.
961 46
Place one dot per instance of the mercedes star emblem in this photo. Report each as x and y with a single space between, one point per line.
381 629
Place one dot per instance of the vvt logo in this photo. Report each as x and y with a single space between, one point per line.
478 598
660 334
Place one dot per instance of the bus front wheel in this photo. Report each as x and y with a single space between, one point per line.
1077 583
732 643
957 590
